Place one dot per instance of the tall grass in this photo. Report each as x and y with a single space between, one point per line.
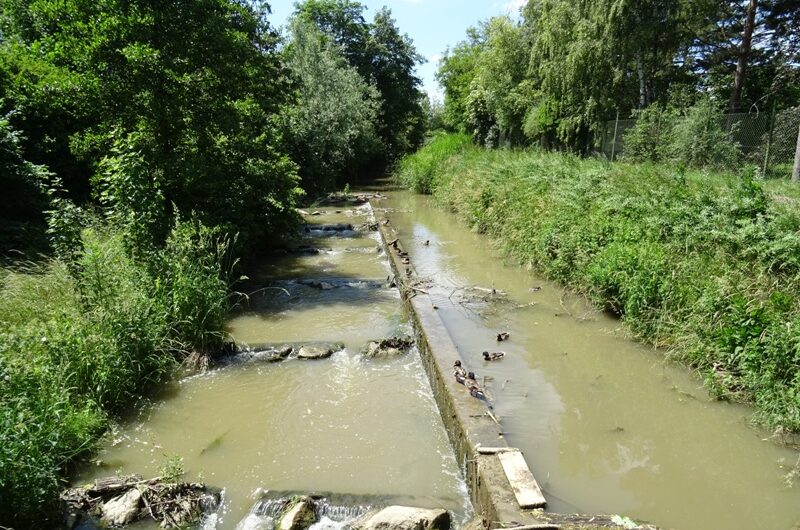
82 339
419 171
708 268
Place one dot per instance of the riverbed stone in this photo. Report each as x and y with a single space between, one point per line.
404 518
122 509
299 516
389 347
317 351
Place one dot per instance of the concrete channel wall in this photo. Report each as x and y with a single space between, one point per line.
468 421
475 433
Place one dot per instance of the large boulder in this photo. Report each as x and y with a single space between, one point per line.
299 515
123 509
318 351
404 518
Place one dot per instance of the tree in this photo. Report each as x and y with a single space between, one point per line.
384 57
180 94
331 129
747 51
456 71
394 58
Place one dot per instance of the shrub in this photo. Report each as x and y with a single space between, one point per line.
418 170
84 339
695 137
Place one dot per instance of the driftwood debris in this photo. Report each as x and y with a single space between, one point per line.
125 499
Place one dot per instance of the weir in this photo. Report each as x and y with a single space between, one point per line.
401 431
356 429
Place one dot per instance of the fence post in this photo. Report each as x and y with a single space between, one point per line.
796 169
769 139
614 141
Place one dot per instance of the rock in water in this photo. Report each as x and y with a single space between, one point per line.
317 351
404 518
300 516
123 509
390 347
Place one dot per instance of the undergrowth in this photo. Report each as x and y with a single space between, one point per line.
83 337
704 265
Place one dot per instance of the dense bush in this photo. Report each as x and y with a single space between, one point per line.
707 268
82 340
418 171
694 137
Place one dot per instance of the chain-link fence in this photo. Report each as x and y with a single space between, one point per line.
766 140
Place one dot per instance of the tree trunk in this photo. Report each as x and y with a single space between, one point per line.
642 81
796 169
744 55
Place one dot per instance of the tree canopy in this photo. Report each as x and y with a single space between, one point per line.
587 61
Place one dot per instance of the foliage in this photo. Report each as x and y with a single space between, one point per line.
650 137
81 341
418 171
694 137
176 96
331 128
706 268
555 76
22 198
700 139
384 58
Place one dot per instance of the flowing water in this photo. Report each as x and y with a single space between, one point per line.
607 426
605 423
363 430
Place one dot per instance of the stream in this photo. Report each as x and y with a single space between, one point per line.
605 423
359 431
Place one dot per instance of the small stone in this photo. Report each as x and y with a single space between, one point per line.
315 351
390 347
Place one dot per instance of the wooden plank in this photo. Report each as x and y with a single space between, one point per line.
526 490
494 450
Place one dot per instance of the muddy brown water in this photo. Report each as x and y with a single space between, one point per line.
363 428
605 423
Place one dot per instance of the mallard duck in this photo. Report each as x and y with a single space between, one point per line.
459 372
503 335
493 356
474 387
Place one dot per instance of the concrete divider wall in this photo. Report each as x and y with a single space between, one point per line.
466 419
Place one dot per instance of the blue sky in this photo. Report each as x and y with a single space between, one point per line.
433 25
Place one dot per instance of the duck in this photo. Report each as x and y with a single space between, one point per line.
503 335
474 387
493 356
459 372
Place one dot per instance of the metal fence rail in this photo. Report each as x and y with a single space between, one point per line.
767 140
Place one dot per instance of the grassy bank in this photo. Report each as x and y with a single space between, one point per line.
706 266
82 338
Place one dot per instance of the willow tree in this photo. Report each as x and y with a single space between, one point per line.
592 59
